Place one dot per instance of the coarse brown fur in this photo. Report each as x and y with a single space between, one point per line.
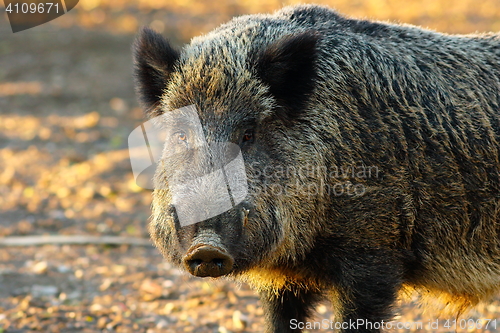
324 93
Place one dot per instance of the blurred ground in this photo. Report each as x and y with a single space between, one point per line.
66 108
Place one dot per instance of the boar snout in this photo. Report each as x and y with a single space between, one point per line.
207 260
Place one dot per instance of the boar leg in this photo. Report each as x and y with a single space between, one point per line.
365 292
287 307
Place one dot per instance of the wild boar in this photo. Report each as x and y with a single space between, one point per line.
371 154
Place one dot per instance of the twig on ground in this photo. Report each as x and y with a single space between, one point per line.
71 240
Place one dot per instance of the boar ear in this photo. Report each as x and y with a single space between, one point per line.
288 66
154 60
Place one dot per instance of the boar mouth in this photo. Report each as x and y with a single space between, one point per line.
208 261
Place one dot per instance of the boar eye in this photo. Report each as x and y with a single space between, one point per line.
248 136
181 137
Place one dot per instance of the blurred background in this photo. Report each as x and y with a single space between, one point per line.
67 106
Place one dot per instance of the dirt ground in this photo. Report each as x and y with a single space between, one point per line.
66 108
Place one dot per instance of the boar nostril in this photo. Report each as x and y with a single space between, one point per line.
218 262
196 262
208 260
